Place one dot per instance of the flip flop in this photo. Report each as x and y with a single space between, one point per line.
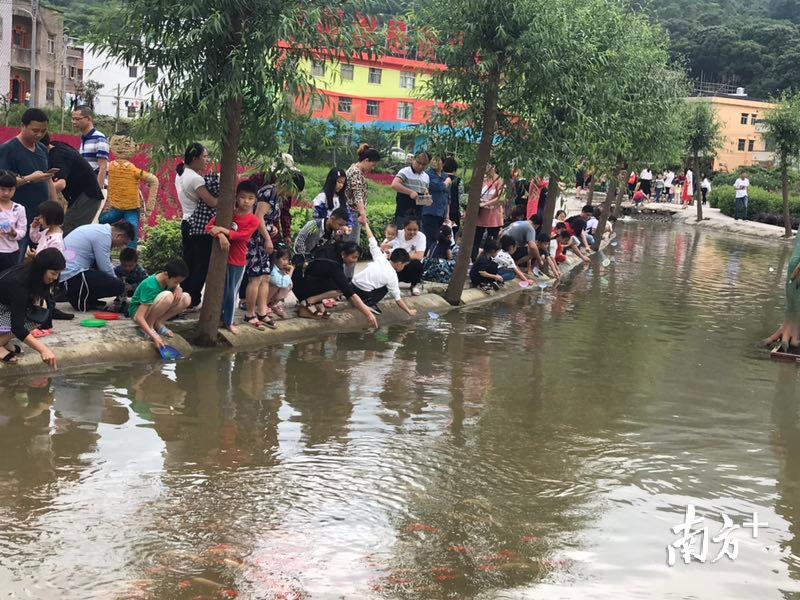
165 332
254 322
11 357
40 333
267 320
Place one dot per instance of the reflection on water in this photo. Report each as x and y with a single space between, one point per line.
521 450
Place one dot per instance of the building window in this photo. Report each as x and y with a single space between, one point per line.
753 119
375 75
50 94
345 105
741 145
18 37
373 108
317 103
347 72
51 44
318 69
133 71
751 145
73 71
405 110
744 118
408 81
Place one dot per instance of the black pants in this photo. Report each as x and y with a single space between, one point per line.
85 289
646 183
411 273
373 297
80 212
8 260
491 232
196 255
704 192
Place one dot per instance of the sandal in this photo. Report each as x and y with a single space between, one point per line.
305 313
40 333
329 303
254 321
267 320
11 355
321 310
165 332
279 310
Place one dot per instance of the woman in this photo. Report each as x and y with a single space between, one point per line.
450 167
687 195
324 278
433 216
490 214
705 188
332 195
356 193
413 241
26 301
198 205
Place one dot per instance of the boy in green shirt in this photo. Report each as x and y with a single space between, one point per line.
158 299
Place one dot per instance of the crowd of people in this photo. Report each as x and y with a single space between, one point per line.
51 251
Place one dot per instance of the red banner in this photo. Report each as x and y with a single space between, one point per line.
397 37
427 44
365 32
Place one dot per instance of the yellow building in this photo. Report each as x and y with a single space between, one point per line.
744 144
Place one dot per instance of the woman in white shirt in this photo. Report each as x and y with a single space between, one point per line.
332 195
411 239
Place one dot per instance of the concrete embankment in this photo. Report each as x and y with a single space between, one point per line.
78 347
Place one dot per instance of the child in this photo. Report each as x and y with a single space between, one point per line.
507 267
13 221
483 273
567 241
561 216
638 198
544 245
235 241
380 276
280 281
131 273
390 234
439 265
124 201
45 229
659 187
158 299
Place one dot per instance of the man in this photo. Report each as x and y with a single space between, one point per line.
669 182
94 145
77 183
523 232
319 233
576 225
742 186
410 183
27 157
646 179
90 275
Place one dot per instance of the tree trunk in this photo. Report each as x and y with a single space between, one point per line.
217 269
550 206
590 194
606 212
622 188
456 285
696 183
787 218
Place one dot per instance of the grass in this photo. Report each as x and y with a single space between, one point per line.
315 178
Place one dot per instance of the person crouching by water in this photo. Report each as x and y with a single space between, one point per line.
158 299
380 276
25 302
324 278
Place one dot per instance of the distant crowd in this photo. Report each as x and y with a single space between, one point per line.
64 211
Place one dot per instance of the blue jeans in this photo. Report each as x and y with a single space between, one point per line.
507 274
659 193
232 282
740 208
131 216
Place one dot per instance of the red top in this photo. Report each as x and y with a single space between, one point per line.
242 229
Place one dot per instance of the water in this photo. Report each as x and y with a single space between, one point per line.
521 450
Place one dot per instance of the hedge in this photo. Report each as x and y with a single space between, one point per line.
762 206
768 179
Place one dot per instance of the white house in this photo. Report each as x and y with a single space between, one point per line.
124 86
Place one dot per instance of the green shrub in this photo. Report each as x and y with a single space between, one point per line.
162 244
760 205
768 179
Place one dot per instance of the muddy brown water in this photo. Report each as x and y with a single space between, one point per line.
540 447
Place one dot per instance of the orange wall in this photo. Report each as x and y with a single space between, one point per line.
730 113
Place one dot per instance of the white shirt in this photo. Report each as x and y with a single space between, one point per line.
415 244
379 273
321 200
591 225
187 185
668 179
741 186
646 175
706 184
504 260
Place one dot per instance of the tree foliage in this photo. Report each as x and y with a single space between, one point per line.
782 125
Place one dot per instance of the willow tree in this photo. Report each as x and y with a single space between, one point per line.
225 69
703 137
782 125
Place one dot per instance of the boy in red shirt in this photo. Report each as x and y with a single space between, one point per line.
235 241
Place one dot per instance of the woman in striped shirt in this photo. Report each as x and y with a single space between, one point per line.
356 193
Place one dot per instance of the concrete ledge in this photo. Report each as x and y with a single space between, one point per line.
78 347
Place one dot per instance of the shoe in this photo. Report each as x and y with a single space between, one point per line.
487 288
279 310
375 309
416 290
60 315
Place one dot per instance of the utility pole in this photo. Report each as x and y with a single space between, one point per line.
34 20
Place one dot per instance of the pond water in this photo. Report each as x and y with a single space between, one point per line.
542 447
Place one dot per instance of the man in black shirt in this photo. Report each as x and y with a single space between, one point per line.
576 225
77 182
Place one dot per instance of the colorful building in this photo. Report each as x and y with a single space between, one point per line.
745 144
385 92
